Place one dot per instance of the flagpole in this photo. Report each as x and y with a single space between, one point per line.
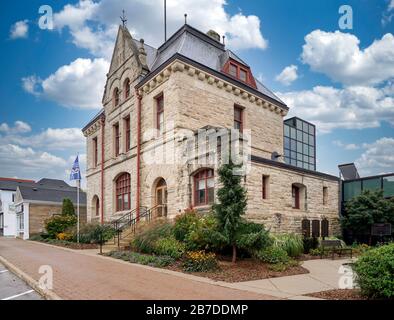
78 186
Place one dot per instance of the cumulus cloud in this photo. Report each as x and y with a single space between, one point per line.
378 157
346 146
79 84
388 14
93 25
36 155
339 56
19 30
19 127
49 139
288 75
348 108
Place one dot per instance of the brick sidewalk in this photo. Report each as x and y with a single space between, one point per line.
79 277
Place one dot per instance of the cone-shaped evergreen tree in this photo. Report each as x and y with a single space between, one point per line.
68 208
231 206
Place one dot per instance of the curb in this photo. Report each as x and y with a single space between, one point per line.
47 294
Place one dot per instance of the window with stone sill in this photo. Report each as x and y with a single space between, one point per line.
204 188
123 188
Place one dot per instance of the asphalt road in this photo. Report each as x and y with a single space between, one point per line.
13 288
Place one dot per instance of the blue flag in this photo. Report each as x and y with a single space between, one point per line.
75 171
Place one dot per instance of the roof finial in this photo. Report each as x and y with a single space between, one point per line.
224 38
185 18
123 19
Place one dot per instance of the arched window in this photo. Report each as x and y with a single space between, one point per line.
126 88
116 97
204 188
96 205
123 192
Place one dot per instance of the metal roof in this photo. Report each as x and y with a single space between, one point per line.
51 194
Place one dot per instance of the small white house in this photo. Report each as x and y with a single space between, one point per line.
8 218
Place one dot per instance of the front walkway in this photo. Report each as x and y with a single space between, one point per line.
324 275
79 276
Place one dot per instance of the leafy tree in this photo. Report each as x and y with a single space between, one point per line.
366 209
68 208
231 206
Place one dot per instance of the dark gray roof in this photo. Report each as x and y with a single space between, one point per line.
201 48
53 183
12 185
43 194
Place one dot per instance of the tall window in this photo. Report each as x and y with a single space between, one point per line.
238 118
117 139
325 195
123 192
95 152
126 88
127 133
204 188
233 70
116 97
97 206
265 183
295 192
160 114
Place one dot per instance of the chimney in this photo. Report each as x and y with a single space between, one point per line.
214 35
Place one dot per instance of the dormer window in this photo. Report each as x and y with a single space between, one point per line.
240 72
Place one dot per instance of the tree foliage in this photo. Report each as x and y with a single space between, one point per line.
366 209
68 208
232 205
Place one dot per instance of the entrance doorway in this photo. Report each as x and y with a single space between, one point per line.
161 196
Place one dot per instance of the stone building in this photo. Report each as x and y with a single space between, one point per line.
157 101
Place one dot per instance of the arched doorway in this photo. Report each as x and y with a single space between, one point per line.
161 195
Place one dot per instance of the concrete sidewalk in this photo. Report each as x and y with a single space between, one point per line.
324 275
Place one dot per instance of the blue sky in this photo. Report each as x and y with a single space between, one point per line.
342 80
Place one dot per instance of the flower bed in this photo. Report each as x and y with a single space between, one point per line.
338 294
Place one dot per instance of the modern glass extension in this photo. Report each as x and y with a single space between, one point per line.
354 188
300 143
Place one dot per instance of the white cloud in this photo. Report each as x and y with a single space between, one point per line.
339 56
349 146
378 157
19 127
19 30
37 155
349 108
79 84
388 14
288 75
93 25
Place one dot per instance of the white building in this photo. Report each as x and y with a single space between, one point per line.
8 220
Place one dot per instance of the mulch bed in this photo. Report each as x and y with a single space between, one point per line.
243 270
339 294
72 245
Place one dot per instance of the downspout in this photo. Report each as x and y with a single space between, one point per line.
139 99
102 167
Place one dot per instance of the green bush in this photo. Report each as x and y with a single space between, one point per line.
252 236
291 243
133 257
199 261
375 272
147 235
310 243
94 233
59 224
184 224
68 208
273 255
169 247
